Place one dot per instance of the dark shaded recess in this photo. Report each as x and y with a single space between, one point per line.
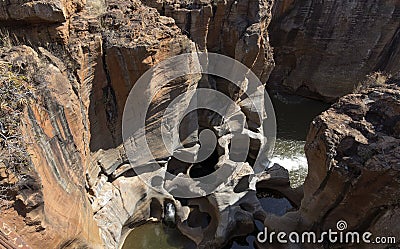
197 218
156 209
389 51
386 125
253 151
73 243
176 166
241 241
28 22
206 167
183 201
207 119
20 207
104 132
187 127
266 192
242 185
226 87
188 25
30 190
294 111
129 173
347 147
168 222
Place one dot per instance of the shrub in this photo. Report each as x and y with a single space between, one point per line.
372 80
15 93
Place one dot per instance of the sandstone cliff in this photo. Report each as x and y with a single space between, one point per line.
353 158
79 61
82 65
324 48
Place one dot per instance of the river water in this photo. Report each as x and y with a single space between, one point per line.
294 115
156 236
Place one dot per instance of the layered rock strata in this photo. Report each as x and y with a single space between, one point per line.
354 169
82 189
324 49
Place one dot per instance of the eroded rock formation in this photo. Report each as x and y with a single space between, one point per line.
324 49
354 169
84 59
76 119
234 28
354 161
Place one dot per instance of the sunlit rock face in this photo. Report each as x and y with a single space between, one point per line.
50 193
80 157
354 172
234 28
82 190
353 157
39 12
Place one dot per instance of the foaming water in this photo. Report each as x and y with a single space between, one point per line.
294 114
290 155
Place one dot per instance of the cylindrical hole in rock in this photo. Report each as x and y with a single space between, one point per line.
274 202
156 209
169 217
243 185
206 167
197 218
176 166
207 119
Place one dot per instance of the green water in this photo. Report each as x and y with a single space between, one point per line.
156 236
294 115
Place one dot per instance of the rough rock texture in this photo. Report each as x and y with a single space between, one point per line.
354 162
86 79
354 167
234 28
23 11
51 209
230 212
83 63
54 136
323 49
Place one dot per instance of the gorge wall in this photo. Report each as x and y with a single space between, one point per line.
353 160
82 58
324 48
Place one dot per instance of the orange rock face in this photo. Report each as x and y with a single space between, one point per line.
83 60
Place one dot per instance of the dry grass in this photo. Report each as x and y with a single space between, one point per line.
373 80
15 93
7 40
96 7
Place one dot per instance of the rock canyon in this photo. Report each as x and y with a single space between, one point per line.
67 68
